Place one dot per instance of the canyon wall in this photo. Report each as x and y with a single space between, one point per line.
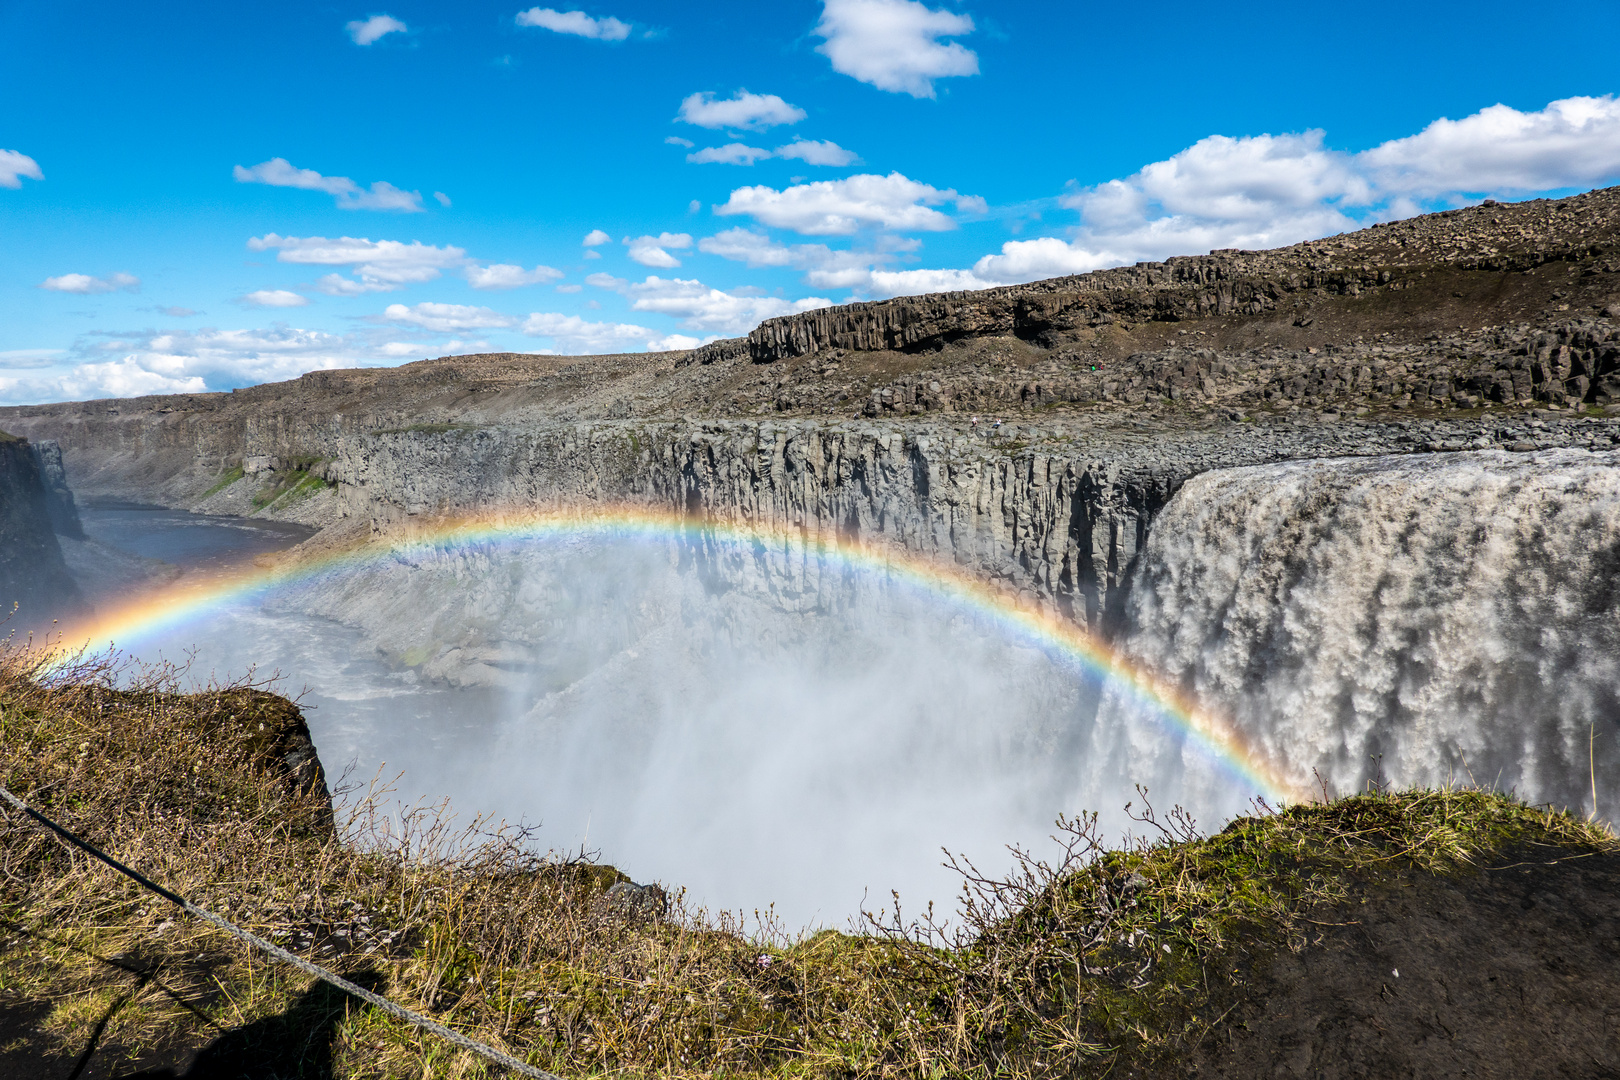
33 575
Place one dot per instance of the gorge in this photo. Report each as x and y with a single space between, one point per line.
1356 498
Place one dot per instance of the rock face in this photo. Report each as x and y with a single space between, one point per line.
59 503
33 575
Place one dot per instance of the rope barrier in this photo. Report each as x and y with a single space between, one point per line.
377 1000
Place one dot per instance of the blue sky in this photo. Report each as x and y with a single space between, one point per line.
204 196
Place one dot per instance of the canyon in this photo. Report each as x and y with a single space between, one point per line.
1034 437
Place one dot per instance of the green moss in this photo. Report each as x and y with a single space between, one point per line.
226 479
7 437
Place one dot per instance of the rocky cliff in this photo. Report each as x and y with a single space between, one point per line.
33 576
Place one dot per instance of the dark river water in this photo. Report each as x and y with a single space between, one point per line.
189 541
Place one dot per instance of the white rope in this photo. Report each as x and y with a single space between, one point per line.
377 1000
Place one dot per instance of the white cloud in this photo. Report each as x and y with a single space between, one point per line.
338 285
744 111
894 44
806 150
15 166
825 268
1253 192
812 152
149 362
279 172
447 318
575 22
85 285
605 281
1573 142
572 334
730 154
652 250
507 276
444 200
382 265
840 207
279 298
595 237
676 140
366 31
1267 191
700 307
678 343
113 378
886 283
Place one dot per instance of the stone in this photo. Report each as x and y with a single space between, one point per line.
635 902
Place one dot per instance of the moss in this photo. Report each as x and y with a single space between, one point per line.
293 485
7 437
226 479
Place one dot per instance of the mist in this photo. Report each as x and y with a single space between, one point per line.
758 726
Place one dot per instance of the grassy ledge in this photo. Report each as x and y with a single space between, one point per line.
1095 962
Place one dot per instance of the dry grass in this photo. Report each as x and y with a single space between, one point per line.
1066 967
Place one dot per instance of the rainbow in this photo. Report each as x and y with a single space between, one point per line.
172 608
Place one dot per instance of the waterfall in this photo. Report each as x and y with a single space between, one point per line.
1424 619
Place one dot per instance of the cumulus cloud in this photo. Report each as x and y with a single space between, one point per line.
443 199
700 307
277 298
744 111
824 268
840 207
895 44
653 250
447 318
1573 142
279 172
1267 191
366 31
730 154
572 334
14 166
595 238
85 285
380 265
507 276
812 152
122 364
575 22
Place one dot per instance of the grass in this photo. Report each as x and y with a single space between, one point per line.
292 484
226 479
1097 960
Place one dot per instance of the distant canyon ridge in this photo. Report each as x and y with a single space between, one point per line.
1029 434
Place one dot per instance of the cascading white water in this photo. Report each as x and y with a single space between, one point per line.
1431 617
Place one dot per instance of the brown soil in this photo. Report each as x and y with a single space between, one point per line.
1511 972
